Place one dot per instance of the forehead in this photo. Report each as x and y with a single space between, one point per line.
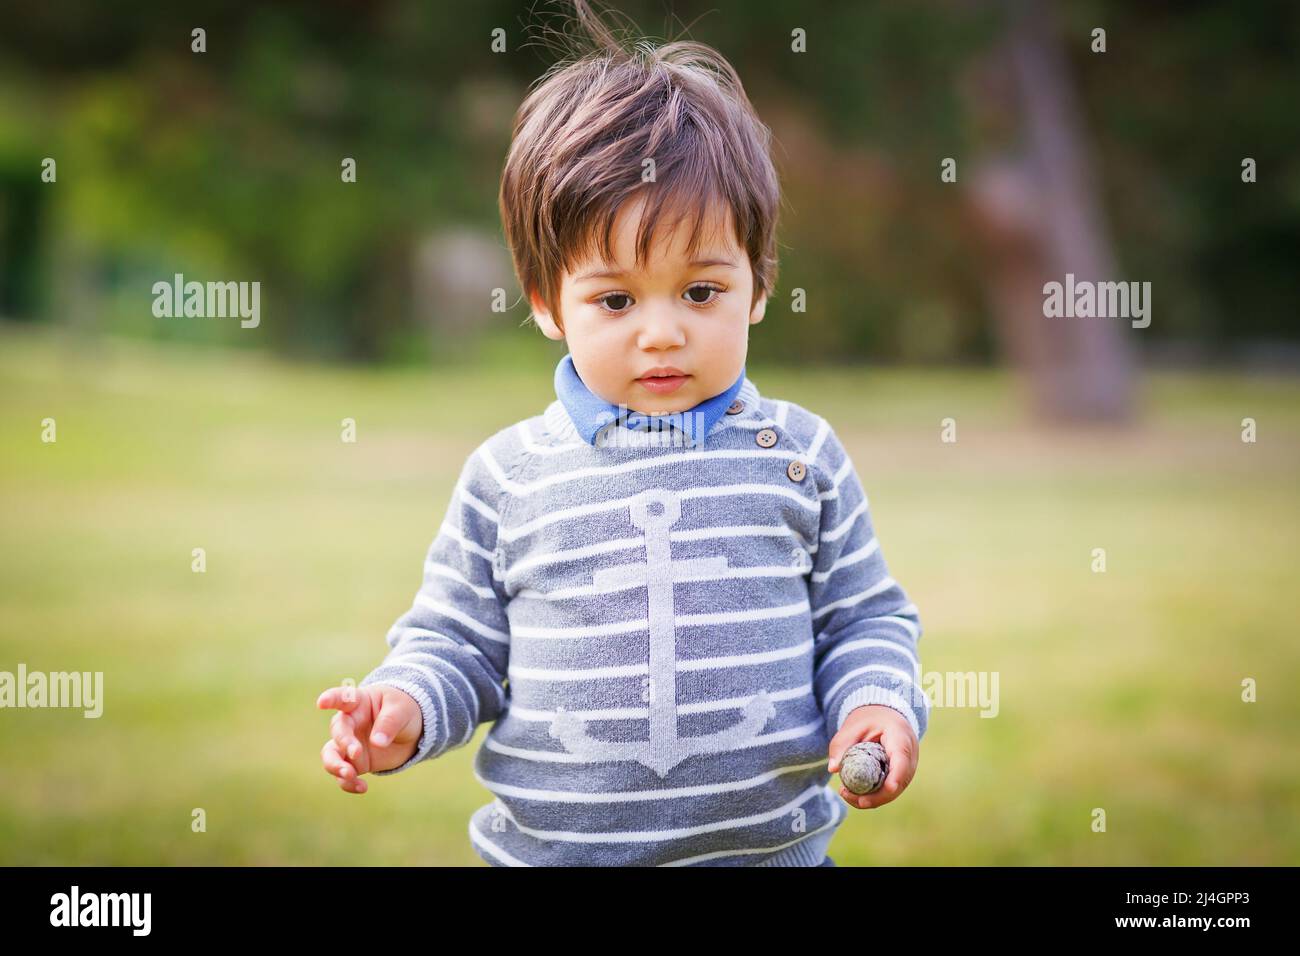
681 234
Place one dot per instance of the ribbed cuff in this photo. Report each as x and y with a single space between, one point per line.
874 694
424 745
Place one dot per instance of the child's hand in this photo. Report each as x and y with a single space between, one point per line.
376 728
892 731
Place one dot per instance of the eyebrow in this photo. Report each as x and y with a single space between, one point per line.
615 274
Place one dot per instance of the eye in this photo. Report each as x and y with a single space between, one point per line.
704 287
701 295
607 299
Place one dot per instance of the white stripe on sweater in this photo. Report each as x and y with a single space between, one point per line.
839 811
843 527
563 756
443 571
907 625
560 674
864 552
883 668
860 643
633 796
491 848
815 448
623 544
618 504
643 713
683 459
883 585
659 836
410 635
837 481
473 623
478 505
472 546
680 620
591 590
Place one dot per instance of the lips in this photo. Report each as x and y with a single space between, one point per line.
663 379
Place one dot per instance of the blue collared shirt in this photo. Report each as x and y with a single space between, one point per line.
591 413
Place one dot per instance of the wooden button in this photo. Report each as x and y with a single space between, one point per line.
736 407
796 470
766 438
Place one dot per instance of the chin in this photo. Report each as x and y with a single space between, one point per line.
667 404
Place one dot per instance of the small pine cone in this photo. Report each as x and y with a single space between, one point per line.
864 767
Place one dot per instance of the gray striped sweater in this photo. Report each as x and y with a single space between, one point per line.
663 637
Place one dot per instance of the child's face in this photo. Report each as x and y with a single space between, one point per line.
693 318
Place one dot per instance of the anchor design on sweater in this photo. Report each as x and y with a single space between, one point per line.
655 511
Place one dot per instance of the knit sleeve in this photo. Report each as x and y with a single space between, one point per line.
865 629
450 650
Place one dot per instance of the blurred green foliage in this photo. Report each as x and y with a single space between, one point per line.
226 164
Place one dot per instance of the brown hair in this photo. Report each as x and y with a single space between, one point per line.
580 138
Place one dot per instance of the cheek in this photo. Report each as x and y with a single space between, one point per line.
730 324
601 354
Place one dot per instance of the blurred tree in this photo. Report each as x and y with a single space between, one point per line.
1039 217
227 163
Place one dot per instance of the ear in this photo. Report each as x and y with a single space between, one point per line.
760 307
543 318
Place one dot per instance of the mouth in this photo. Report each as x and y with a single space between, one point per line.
663 380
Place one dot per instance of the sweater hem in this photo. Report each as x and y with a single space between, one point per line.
810 851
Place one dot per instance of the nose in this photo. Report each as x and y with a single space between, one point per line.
660 329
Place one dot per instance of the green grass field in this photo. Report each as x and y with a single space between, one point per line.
1119 691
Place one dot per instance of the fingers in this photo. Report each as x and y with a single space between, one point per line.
346 699
841 742
836 752
389 722
901 748
890 789
343 728
853 799
334 764
344 756
863 724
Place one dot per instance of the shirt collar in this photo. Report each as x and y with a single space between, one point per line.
590 413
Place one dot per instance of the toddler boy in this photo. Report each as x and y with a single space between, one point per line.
664 591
